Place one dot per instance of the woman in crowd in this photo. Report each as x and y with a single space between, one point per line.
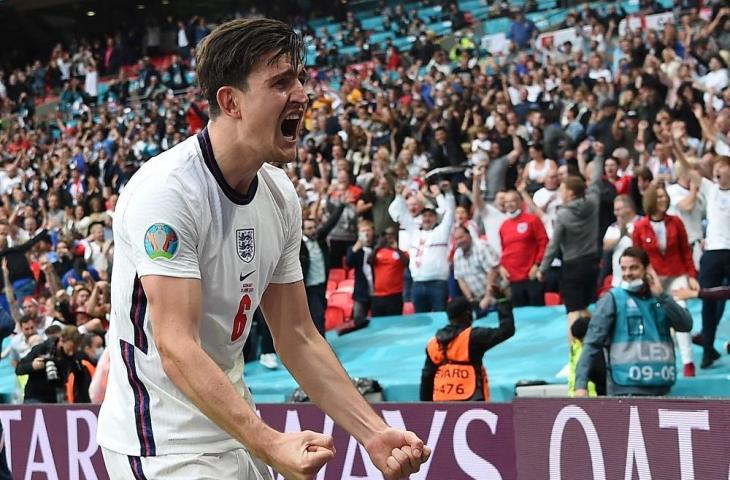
664 239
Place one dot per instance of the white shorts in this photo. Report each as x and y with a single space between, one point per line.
235 464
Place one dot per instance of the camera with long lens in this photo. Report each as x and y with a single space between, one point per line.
51 369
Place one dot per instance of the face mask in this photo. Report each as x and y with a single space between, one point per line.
514 214
98 353
633 285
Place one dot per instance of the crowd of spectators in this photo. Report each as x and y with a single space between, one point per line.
434 174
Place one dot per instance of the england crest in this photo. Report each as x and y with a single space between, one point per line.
245 244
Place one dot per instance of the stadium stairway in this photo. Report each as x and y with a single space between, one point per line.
392 351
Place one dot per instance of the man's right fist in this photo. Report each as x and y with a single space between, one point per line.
300 455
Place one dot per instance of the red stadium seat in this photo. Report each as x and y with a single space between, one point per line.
606 285
331 286
333 317
351 273
342 300
408 308
552 299
346 285
337 275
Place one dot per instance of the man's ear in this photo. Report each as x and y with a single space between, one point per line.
228 101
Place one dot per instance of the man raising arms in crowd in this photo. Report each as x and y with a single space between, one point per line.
204 235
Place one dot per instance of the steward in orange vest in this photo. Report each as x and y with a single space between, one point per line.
454 369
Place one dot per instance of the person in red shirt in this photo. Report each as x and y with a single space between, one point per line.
620 183
664 239
523 245
389 264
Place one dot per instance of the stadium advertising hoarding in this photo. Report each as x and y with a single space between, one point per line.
530 439
469 440
606 439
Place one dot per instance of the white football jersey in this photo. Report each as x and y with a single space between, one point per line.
178 217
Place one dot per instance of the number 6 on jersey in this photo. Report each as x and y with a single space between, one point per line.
239 322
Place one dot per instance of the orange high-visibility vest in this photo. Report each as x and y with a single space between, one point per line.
70 395
458 377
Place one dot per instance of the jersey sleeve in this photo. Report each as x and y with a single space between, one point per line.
162 231
289 269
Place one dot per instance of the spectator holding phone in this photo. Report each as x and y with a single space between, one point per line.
633 319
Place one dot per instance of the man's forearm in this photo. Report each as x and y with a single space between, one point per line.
327 384
208 387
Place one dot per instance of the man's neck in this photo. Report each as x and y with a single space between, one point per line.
238 163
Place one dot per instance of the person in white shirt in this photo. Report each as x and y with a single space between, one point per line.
618 236
428 252
204 234
687 203
545 203
492 215
715 262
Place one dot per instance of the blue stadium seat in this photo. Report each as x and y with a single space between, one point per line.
332 28
310 57
373 23
631 6
351 50
403 43
497 25
480 13
547 4
428 13
470 5
380 37
315 23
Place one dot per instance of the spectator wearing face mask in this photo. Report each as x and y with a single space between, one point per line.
90 351
633 319
523 240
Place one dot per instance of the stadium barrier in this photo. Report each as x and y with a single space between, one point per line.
531 439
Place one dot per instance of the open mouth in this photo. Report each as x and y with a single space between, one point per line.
290 126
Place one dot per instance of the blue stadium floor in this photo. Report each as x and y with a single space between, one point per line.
392 350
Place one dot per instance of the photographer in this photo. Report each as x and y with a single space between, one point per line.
49 364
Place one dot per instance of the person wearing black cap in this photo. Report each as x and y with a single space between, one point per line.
454 370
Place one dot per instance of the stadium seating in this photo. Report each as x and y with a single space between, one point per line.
337 275
346 285
334 316
552 299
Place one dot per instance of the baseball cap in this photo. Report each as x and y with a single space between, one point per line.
430 207
632 114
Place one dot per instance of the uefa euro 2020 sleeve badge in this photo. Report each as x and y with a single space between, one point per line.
161 242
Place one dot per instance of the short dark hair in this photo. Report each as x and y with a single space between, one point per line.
231 51
576 185
638 253
88 339
580 327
